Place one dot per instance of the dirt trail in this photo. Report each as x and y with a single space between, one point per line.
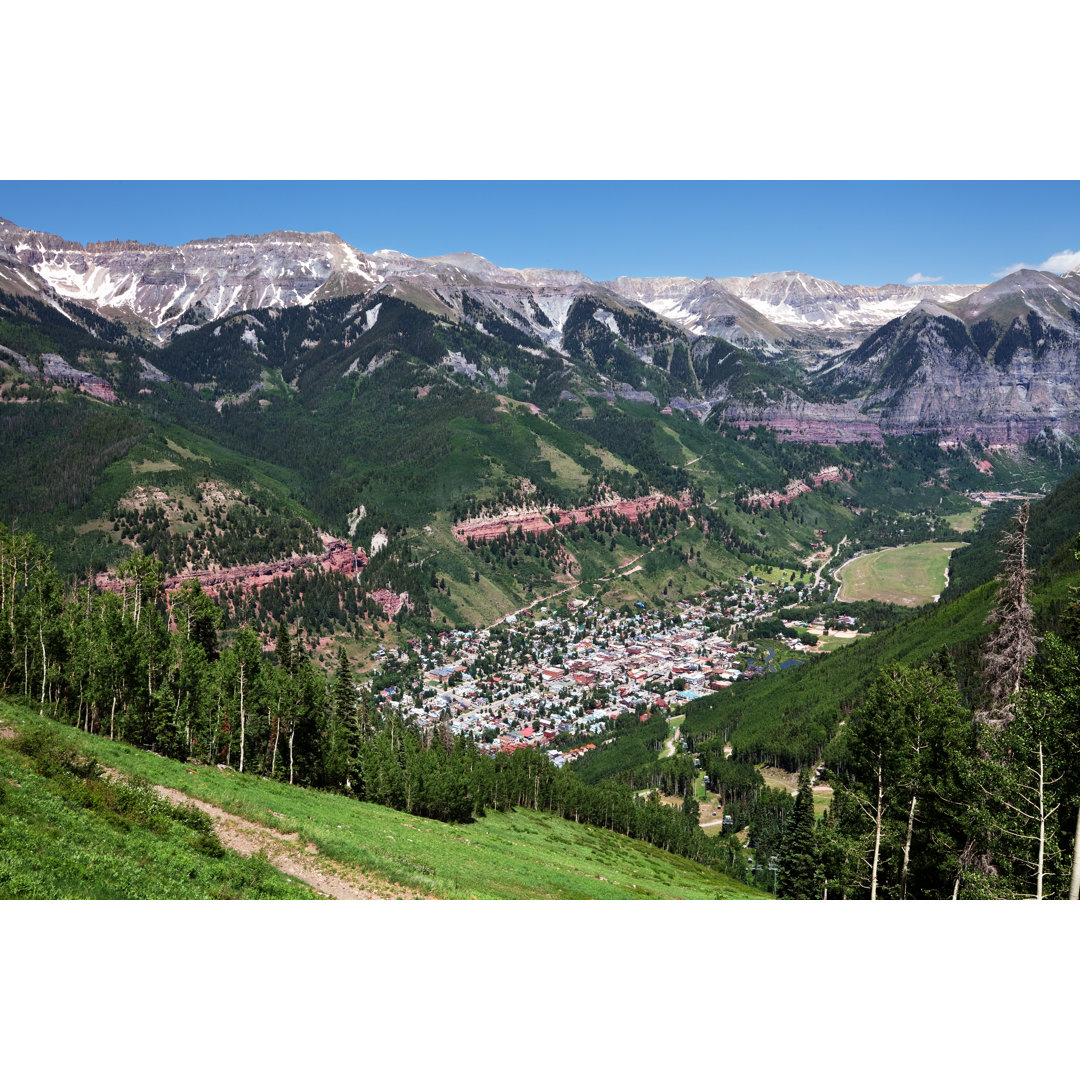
287 854
669 746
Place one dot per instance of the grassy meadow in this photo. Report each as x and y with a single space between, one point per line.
516 855
911 576
69 832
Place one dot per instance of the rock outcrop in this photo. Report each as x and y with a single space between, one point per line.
390 602
831 474
554 517
338 556
60 371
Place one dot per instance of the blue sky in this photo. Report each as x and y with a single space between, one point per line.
865 232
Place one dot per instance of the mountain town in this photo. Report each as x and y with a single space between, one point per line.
572 673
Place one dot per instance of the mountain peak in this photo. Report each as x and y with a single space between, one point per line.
467 261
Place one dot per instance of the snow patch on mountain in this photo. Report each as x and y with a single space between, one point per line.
673 309
798 300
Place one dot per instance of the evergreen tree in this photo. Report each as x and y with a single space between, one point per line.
901 786
800 876
197 617
283 648
307 712
340 723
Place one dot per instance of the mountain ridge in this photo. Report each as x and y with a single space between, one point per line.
745 307
998 362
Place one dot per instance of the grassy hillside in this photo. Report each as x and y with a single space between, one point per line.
53 844
69 831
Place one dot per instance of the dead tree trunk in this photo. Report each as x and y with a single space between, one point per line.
877 829
1074 884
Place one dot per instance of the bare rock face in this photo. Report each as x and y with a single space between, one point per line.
391 602
59 370
628 393
798 420
1002 365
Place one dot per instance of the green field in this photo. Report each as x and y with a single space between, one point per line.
912 576
516 855
967 520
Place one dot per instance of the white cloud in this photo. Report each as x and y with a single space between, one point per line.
921 279
1060 263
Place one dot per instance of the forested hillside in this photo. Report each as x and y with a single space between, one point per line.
951 740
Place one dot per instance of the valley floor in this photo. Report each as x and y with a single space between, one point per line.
911 575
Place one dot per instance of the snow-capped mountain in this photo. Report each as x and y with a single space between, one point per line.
166 289
209 278
803 302
1001 361
702 307
537 301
